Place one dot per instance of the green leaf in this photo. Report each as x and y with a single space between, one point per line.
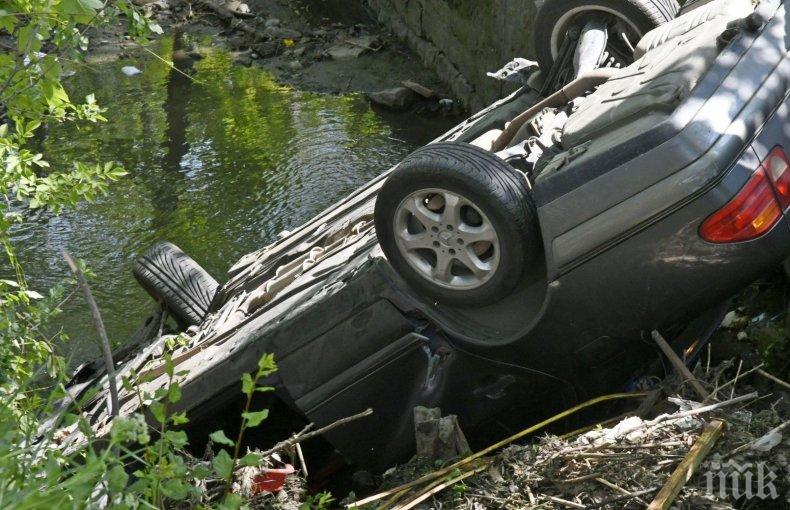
247 386
82 10
117 479
251 459
199 472
158 410
222 464
177 438
175 489
219 437
266 365
179 418
232 501
174 393
253 419
169 367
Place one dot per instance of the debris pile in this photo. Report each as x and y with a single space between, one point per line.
682 449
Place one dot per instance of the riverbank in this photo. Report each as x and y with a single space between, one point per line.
328 47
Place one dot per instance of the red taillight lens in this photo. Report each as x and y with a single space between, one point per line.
777 167
752 212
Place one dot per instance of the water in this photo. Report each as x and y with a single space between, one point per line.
218 165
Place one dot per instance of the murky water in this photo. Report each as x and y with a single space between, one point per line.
218 164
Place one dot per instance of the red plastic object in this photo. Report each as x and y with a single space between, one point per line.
271 480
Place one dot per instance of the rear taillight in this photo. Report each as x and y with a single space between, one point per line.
750 214
777 167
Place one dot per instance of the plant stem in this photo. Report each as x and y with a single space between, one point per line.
97 320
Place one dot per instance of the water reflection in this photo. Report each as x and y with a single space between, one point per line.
218 166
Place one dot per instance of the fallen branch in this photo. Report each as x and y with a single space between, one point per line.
97 320
303 435
773 378
691 412
688 466
681 367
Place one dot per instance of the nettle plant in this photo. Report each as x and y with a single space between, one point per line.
138 465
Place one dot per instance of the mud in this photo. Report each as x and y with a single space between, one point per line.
329 46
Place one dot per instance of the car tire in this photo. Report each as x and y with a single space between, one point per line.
644 15
495 224
171 276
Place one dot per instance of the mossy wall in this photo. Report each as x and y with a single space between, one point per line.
463 39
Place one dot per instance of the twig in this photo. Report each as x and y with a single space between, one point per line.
620 498
728 383
735 381
302 463
707 366
560 501
743 447
298 438
97 320
437 487
688 466
773 378
681 367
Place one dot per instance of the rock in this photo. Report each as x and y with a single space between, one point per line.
271 23
344 52
420 89
283 33
295 65
266 49
238 7
242 58
366 42
254 56
130 70
399 98
353 47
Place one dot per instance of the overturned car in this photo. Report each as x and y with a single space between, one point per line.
515 266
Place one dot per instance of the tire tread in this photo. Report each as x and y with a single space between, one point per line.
169 274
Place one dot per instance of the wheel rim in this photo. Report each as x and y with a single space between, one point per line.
447 239
567 20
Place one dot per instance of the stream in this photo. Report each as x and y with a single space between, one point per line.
221 158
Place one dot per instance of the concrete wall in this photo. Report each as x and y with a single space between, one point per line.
463 39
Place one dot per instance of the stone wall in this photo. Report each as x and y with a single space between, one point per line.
463 39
